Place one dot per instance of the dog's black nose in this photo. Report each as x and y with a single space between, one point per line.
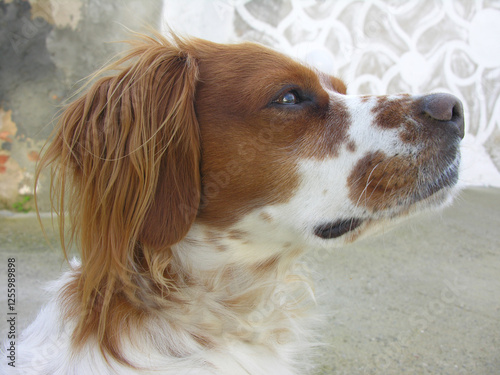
445 108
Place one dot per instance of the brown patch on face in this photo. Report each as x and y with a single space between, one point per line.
351 146
402 113
380 182
391 113
409 134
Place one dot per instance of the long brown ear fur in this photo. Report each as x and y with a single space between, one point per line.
125 167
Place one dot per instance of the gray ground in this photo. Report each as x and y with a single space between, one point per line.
423 298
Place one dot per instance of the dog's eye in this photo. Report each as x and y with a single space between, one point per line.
290 97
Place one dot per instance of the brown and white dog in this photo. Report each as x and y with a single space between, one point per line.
195 174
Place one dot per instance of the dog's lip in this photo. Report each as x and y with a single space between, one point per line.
446 179
337 228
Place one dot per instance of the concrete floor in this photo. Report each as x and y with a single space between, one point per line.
423 298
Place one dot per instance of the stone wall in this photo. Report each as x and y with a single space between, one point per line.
46 47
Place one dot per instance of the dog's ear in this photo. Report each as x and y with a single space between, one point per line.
178 184
125 167
126 155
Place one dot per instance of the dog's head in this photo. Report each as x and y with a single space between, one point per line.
288 157
191 140
242 138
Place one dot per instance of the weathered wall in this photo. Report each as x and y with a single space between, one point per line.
46 47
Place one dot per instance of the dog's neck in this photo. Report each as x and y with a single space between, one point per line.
239 289
213 289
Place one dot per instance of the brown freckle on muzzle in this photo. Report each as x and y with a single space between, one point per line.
392 113
409 135
351 146
379 182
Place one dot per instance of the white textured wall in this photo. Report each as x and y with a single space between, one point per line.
379 47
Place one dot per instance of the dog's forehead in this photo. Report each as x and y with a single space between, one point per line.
256 68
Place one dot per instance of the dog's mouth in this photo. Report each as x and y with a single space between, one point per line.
338 228
445 179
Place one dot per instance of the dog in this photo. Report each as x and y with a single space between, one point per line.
195 175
